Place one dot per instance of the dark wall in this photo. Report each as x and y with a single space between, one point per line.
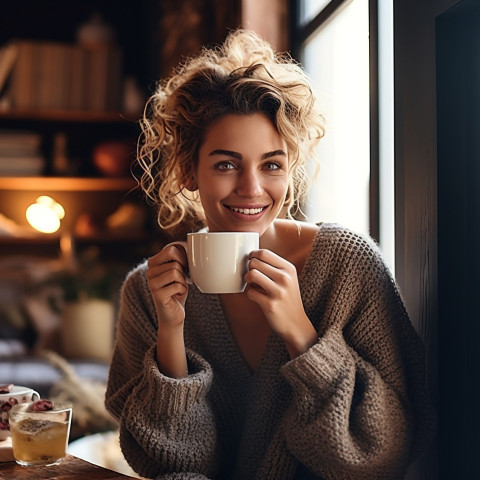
437 155
458 94
416 189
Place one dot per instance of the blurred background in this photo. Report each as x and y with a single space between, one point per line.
399 83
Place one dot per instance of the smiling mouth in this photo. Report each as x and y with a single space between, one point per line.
247 211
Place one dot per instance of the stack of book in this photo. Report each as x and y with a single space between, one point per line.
20 153
40 75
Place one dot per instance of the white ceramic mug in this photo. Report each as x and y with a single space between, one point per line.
218 261
18 394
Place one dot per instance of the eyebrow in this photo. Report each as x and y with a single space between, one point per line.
275 153
230 153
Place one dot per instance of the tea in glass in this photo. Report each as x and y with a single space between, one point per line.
40 437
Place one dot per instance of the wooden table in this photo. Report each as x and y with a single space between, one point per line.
71 468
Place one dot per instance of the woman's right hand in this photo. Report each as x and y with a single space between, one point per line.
168 285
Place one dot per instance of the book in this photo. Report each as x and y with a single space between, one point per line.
104 78
19 143
22 84
8 54
61 76
78 93
96 78
22 166
114 100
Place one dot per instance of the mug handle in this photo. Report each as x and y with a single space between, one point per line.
185 246
35 393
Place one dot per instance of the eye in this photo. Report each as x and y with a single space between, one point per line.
272 166
224 165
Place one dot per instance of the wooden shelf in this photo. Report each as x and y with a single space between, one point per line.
116 246
54 238
72 184
68 116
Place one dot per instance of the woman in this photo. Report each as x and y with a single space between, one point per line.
315 370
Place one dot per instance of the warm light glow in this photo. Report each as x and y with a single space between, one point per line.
45 214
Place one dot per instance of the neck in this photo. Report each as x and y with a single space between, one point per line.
274 237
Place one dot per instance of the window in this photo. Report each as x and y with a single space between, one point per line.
309 9
336 42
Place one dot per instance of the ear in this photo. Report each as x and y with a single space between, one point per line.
191 184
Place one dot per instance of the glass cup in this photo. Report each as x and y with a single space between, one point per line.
40 437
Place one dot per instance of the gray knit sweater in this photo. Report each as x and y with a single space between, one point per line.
354 406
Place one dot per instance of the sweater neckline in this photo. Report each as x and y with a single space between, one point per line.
274 347
230 343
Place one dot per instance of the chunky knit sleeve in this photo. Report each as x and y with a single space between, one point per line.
360 408
166 425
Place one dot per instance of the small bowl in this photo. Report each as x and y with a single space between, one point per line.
18 394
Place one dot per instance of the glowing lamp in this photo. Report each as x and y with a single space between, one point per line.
45 214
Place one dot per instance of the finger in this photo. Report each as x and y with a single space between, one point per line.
178 253
168 258
169 268
170 253
177 291
255 293
267 256
163 292
257 265
165 275
260 281
280 274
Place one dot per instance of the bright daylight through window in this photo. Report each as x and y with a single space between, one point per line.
336 56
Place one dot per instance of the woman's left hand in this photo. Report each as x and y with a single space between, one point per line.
272 283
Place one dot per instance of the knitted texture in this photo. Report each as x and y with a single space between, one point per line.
354 406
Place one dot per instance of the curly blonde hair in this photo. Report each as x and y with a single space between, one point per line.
242 76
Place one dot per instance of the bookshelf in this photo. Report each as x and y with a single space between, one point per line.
72 94
60 100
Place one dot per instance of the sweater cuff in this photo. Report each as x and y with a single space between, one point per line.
174 395
322 367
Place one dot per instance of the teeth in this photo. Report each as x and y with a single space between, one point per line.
247 211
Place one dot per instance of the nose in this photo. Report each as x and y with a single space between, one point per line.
249 183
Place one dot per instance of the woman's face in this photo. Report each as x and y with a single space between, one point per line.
242 173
